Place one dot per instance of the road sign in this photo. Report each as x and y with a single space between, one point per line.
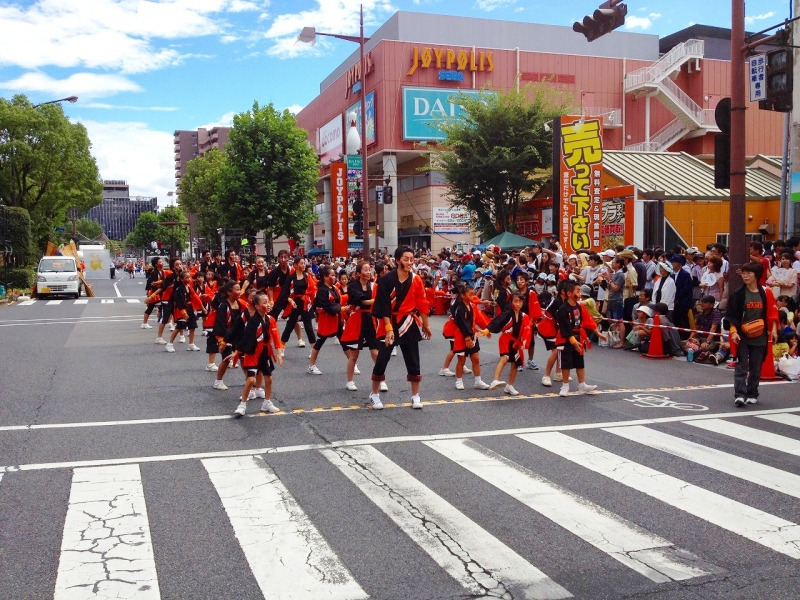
354 161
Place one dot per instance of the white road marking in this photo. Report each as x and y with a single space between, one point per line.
82 301
133 301
287 555
26 303
763 528
335 444
106 550
751 435
791 420
742 468
107 301
53 302
646 553
471 555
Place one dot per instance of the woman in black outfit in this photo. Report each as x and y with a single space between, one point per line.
299 294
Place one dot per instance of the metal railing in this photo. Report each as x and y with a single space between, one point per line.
666 64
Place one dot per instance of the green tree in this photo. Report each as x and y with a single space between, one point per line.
170 227
272 170
199 192
496 153
88 229
45 165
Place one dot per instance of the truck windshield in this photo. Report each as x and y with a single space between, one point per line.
56 266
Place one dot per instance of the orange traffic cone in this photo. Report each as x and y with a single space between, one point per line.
768 366
656 349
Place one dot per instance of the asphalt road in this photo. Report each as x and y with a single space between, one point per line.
123 474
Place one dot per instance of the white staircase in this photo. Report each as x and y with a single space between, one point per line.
657 80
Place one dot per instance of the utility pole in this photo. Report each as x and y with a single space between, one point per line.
737 248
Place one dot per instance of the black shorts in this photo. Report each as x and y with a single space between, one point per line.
513 357
265 366
476 347
549 343
569 358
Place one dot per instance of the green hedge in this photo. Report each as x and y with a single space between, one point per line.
15 229
19 279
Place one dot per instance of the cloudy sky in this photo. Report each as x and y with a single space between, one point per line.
144 68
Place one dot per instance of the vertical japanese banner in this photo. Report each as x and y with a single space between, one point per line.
617 202
581 209
339 210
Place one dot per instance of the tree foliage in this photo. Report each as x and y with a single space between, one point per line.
15 236
45 165
272 170
495 153
169 227
199 193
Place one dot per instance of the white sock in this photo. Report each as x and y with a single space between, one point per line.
478 379
459 380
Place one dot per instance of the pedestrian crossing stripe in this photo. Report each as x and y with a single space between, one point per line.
78 301
287 555
754 524
751 435
107 550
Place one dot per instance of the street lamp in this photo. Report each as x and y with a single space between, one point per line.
309 36
70 99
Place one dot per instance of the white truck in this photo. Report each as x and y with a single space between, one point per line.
58 275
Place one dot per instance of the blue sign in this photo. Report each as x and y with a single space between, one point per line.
451 76
422 107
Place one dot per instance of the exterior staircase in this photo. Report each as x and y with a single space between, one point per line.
657 80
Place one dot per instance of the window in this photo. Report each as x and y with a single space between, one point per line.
722 238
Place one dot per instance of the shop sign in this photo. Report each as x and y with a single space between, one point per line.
450 220
422 107
581 218
356 108
450 59
330 139
353 74
617 202
339 209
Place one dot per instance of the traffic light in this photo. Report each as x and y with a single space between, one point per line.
358 217
387 194
778 81
605 19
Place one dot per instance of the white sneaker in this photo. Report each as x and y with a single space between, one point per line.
219 385
355 370
252 394
585 388
394 351
467 370
314 370
351 385
546 381
193 348
172 326
240 410
481 385
446 373
375 402
181 339
260 393
211 367
740 401
564 390
496 383
751 401
509 389
459 384
268 407
169 348
416 402
557 376
146 326
383 387
301 343
161 340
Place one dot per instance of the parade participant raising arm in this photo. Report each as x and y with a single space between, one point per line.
400 306
514 327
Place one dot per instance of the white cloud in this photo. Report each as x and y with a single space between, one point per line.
83 85
225 120
295 108
106 106
490 5
132 151
753 18
634 22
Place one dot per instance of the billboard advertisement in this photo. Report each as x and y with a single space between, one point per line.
339 210
450 220
424 106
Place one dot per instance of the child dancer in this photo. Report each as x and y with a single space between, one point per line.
469 323
514 327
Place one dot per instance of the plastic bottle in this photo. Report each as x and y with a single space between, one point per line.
690 355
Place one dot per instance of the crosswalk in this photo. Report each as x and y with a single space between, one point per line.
79 301
712 476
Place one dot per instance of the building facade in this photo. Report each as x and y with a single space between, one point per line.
650 95
118 213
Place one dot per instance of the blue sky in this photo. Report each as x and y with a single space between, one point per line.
143 69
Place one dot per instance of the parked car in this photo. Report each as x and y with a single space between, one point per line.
58 275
